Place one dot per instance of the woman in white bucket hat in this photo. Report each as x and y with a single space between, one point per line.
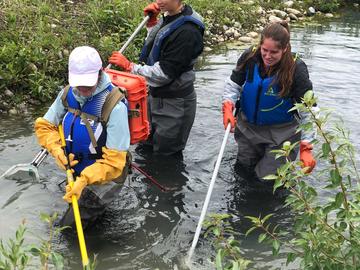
98 149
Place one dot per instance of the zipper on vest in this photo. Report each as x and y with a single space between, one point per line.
257 103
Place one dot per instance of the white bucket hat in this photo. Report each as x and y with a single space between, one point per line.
84 66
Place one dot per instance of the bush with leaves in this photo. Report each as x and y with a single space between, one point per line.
326 234
15 255
36 37
228 253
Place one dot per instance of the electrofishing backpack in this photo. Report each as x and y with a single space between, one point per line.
136 93
134 89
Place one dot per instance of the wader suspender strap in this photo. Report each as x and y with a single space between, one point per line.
64 95
84 117
111 100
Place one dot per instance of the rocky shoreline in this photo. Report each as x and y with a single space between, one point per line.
235 33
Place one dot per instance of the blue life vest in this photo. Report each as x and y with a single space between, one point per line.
157 36
78 140
260 100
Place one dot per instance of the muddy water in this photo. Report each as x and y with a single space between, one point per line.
146 228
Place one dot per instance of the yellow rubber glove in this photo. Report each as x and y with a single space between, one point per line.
49 138
76 190
61 160
104 170
47 134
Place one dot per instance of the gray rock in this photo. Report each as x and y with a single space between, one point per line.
207 49
260 28
225 27
274 19
356 5
294 11
236 34
252 34
293 17
66 53
13 111
263 21
246 39
60 54
260 11
237 25
8 93
279 13
289 4
229 32
329 15
22 106
34 102
33 67
311 11
4 106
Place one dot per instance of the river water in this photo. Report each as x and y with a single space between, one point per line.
148 229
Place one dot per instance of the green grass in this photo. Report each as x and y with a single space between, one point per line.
36 36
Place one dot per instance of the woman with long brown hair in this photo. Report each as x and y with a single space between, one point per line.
267 81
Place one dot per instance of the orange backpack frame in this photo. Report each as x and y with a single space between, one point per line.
136 94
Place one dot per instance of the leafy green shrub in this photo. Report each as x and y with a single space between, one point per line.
327 234
228 253
15 255
37 36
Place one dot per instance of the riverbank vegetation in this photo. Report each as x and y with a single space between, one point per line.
326 233
17 254
37 36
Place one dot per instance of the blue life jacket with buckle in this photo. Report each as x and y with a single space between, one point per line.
84 127
158 34
260 100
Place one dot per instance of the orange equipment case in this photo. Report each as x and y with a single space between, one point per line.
136 93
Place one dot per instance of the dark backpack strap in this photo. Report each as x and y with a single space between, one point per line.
64 95
111 100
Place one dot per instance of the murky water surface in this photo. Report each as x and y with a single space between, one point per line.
146 228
